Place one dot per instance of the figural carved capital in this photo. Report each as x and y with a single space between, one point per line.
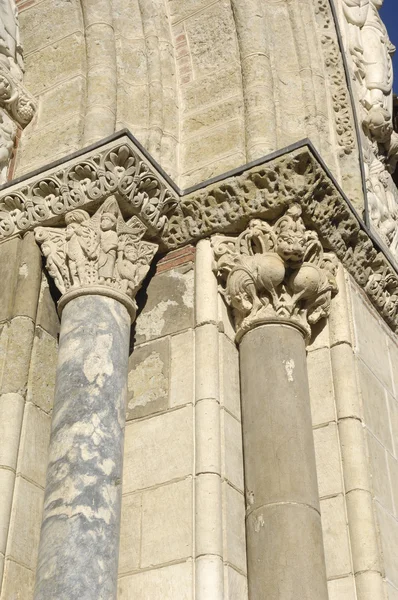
275 273
101 254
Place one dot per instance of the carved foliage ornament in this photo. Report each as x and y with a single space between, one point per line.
16 103
102 251
277 272
119 170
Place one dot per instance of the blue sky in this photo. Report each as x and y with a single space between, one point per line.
389 14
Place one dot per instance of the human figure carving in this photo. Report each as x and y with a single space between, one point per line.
108 246
77 246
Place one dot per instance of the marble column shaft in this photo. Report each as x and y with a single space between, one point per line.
79 545
283 524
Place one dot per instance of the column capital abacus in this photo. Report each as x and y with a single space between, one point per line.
99 255
275 273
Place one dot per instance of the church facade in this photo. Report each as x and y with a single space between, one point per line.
198 300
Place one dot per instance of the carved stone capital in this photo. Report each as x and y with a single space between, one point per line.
275 273
101 254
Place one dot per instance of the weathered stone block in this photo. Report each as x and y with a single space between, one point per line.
169 307
374 400
335 536
18 581
41 383
11 411
230 376
182 369
50 143
7 479
26 516
219 142
179 11
173 582
389 543
29 278
321 386
221 85
167 523
216 167
158 449
342 589
233 457
212 39
41 29
130 534
64 100
35 438
8 276
379 471
371 339
234 520
393 469
213 115
148 379
16 366
57 62
235 584
328 462
47 317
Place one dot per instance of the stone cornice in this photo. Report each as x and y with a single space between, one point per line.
262 190
119 168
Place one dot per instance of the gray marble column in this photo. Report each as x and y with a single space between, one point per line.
98 263
79 545
283 523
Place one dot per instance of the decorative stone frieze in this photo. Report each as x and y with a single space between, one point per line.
101 254
265 192
174 219
17 105
119 169
344 125
275 273
369 51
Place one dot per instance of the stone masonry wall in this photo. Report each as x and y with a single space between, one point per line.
352 375
28 354
204 85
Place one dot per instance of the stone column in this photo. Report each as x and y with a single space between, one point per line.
98 263
278 283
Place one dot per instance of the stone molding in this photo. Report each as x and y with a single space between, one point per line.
99 255
118 169
275 273
369 54
174 218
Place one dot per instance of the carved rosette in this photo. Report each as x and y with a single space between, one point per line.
101 254
275 273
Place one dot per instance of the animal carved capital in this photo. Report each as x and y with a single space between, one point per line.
275 273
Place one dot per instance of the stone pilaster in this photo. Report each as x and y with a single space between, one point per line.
98 263
278 282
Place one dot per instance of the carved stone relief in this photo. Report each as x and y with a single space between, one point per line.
223 207
370 51
91 253
119 170
276 273
17 106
